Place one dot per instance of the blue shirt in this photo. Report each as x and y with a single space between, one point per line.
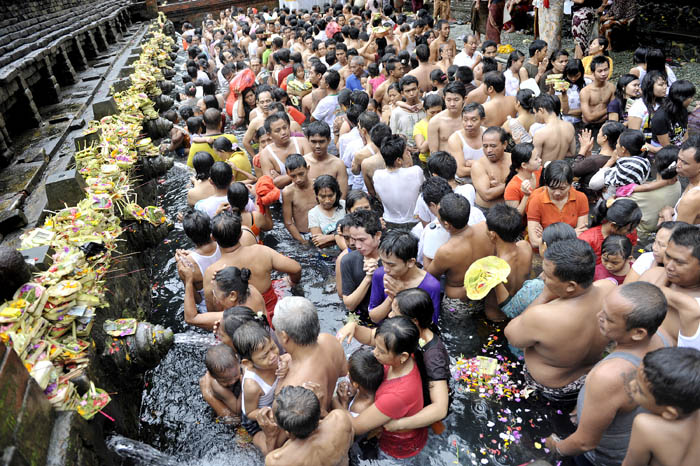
353 83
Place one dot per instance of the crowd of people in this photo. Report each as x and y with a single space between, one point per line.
383 140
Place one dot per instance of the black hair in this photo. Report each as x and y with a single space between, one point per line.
328 181
400 335
535 46
673 105
373 70
197 227
237 196
632 140
647 85
502 135
186 112
359 98
443 165
649 304
487 44
455 209
438 75
226 229
489 64
202 162
464 74
495 79
366 219
297 411
275 117
622 84
212 118
554 55
455 87
320 128
622 212
557 173
673 375
693 142
433 100
295 161
423 53
368 120
544 102
235 316
223 144
416 303
332 78
574 260
655 60
353 114
194 124
401 244
451 72
210 101
344 97
557 232
378 133
520 154
639 56
505 221
392 149
221 175
407 80
617 245
514 56
603 43
230 279
572 68
220 358
665 161
612 131
526 98
365 370
687 236
353 196
249 338
598 61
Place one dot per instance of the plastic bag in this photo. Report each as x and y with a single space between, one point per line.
238 84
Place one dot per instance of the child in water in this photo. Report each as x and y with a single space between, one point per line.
220 385
330 209
366 375
615 260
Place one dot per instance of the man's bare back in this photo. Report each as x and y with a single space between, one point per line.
368 167
422 74
498 109
669 442
555 141
478 95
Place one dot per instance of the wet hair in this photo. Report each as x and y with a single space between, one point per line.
226 229
400 335
464 74
632 140
455 87
443 165
544 102
275 117
474 107
368 120
679 92
574 260
392 149
295 161
328 181
230 279
575 67
249 338
223 144
298 318
186 112
416 303
665 161
202 162
693 142
212 118
557 232
673 375
373 70
194 124
648 302
237 196
521 153
197 227
344 97
400 244
235 316
221 175
379 132
320 128
612 131
687 236
262 131
210 101
433 100
170 115
487 44
297 410
451 72
502 135
407 80
365 370
647 85
603 43
514 56
597 61
353 196
220 358
423 53
526 98
655 60
622 212
455 209
639 56
617 245
368 220
489 64
505 221
557 173
622 84
332 78
535 46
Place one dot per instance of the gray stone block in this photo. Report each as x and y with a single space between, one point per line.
126 71
64 188
104 108
81 142
39 257
121 85
11 220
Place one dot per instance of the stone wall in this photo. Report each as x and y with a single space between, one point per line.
461 9
194 11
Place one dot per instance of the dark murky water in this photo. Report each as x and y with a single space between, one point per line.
178 423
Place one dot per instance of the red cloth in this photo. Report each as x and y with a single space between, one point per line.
270 297
397 398
237 85
266 192
495 22
594 237
601 272
282 75
296 115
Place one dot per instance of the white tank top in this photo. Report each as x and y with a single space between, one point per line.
283 169
268 395
675 207
205 261
468 152
690 342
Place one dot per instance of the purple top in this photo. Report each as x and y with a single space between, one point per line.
430 284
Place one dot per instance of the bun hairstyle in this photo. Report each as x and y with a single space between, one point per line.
202 162
665 161
232 279
237 197
526 99
621 212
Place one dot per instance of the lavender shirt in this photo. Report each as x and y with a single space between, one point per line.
429 284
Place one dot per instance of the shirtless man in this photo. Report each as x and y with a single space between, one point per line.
486 66
312 441
272 158
561 337
597 95
505 225
317 357
630 318
687 209
489 173
465 145
449 121
261 260
395 71
422 73
309 102
557 139
499 106
358 150
681 274
466 244
443 37
320 162
264 102
298 198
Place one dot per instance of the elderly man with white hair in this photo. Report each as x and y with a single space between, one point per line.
357 68
317 358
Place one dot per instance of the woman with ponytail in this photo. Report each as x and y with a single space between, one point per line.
240 203
524 176
201 189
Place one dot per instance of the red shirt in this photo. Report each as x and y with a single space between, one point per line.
601 272
397 398
594 237
282 75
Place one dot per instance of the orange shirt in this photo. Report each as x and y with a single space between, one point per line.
541 209
513 192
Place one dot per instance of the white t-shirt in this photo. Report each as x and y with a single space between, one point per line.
639 110
644 263
462 59
327 109
210 204
322 221
252 48
348 145
398 191
475 215
512 83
